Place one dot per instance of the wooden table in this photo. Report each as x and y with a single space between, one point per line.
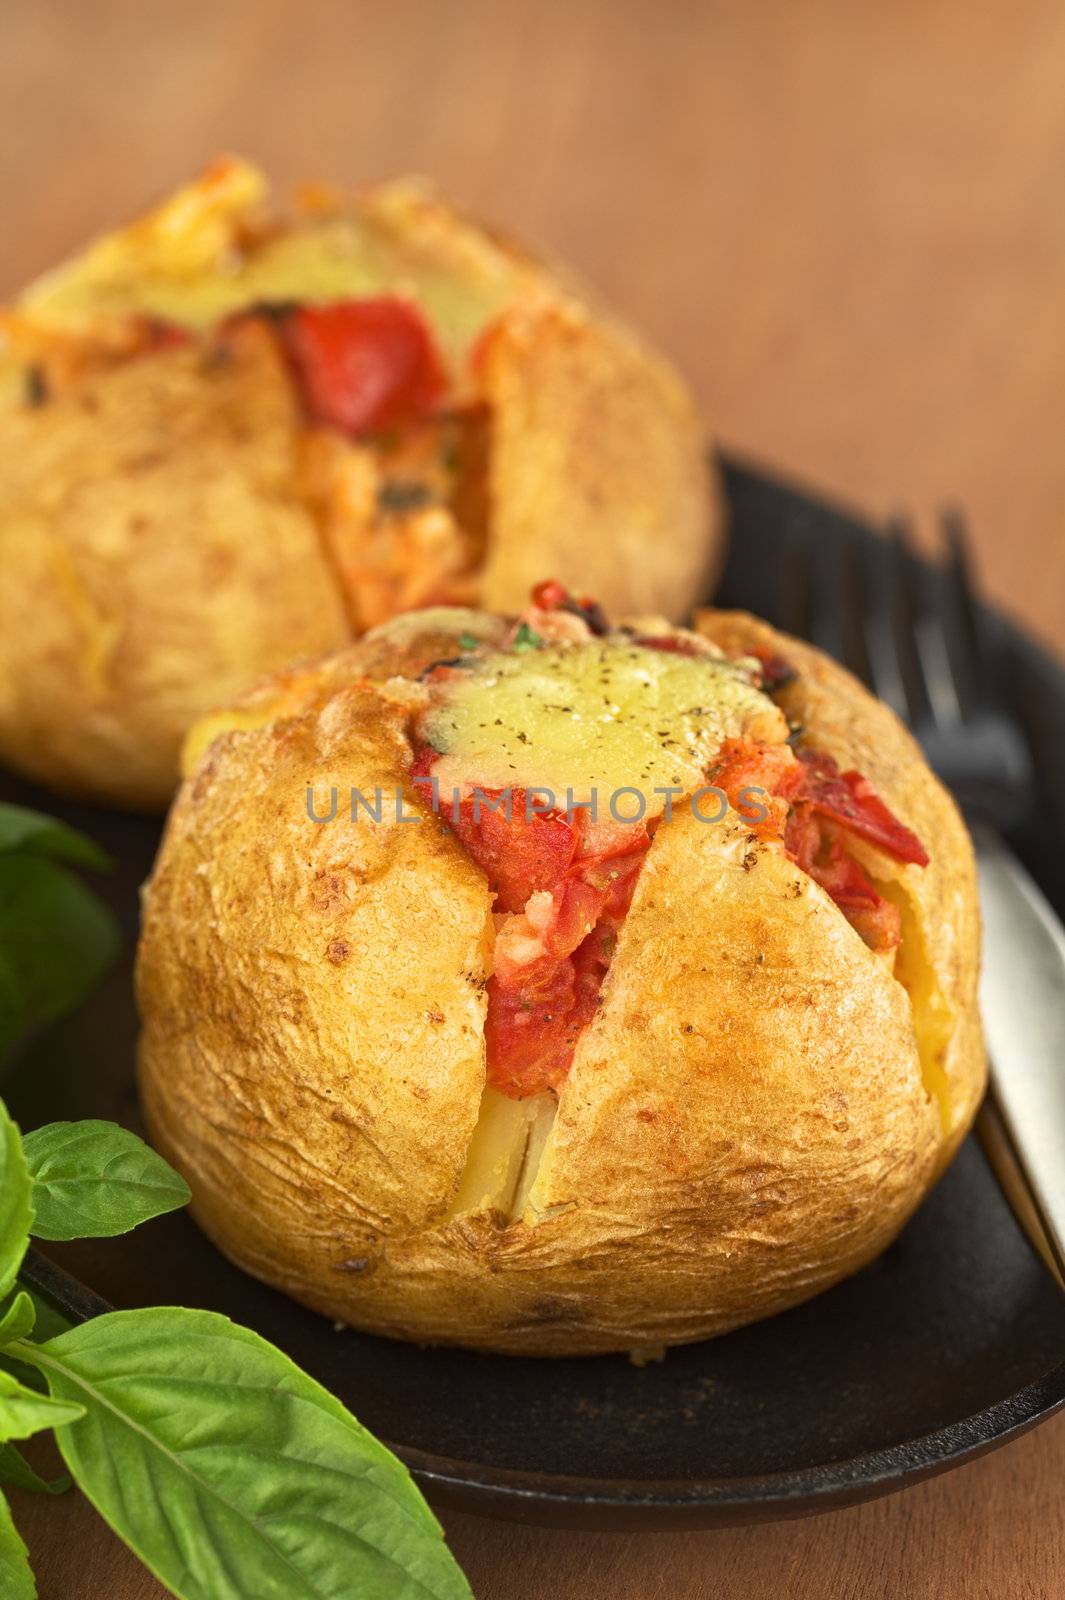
845 222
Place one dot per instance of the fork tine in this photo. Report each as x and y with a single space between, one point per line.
938 669
971 676
829 598
927 666
879 579
793 586
906 610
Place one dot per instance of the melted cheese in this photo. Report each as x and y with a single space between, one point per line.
933 1016
594 718
196 260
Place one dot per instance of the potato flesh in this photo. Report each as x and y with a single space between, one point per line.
933 1017
504 1153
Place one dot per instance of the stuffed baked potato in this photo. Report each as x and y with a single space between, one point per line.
536 1080
231 440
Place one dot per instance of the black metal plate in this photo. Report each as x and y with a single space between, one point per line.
949 1344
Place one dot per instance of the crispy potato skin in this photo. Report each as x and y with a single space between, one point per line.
847 722
571 396
745 1120
314 1000
161 547
155 562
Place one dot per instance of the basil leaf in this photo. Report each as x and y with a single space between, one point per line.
56 942
21 829
19 1318
24 1412
18 1472
92 1180
16 1211
230 1472
16 1579
49 1321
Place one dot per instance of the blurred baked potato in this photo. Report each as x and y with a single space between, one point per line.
231 440
676 1041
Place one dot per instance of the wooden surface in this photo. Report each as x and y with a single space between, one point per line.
845 221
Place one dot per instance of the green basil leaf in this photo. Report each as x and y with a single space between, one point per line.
16 1209
49 1321
19 1318
232 1473
22 829
16 1579
92 1180
56 942
15 1470
24 1411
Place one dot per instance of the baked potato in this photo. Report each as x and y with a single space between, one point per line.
566 1076
233 439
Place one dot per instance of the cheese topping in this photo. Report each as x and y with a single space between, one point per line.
594 718
200 257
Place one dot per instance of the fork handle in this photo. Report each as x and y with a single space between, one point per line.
1022 996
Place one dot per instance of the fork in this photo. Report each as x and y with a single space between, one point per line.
919 641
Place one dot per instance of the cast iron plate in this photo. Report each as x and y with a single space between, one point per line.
949 1344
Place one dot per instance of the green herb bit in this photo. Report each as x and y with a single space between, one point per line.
403 494
526 638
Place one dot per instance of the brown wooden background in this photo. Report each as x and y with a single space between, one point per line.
846 221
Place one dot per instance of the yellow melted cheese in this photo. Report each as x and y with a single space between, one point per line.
594 718
933 1016
196 260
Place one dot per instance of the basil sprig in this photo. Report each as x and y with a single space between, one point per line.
226 1468
229 1471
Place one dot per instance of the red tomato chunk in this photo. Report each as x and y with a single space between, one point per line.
365 365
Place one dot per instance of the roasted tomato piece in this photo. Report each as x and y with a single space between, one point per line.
519 855
851 801
531 1031
777 672
579 909
813 843
562 888
811 804
550 595
160 335
537 1013
365 365
554 596
755 775
610 861
670 642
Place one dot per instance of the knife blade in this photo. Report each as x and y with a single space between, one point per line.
1022 997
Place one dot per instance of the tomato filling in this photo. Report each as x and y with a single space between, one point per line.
393 459
365 365
562 883
814 807
362 366
562 886
552 956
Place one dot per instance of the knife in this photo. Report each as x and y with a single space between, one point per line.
1022 997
